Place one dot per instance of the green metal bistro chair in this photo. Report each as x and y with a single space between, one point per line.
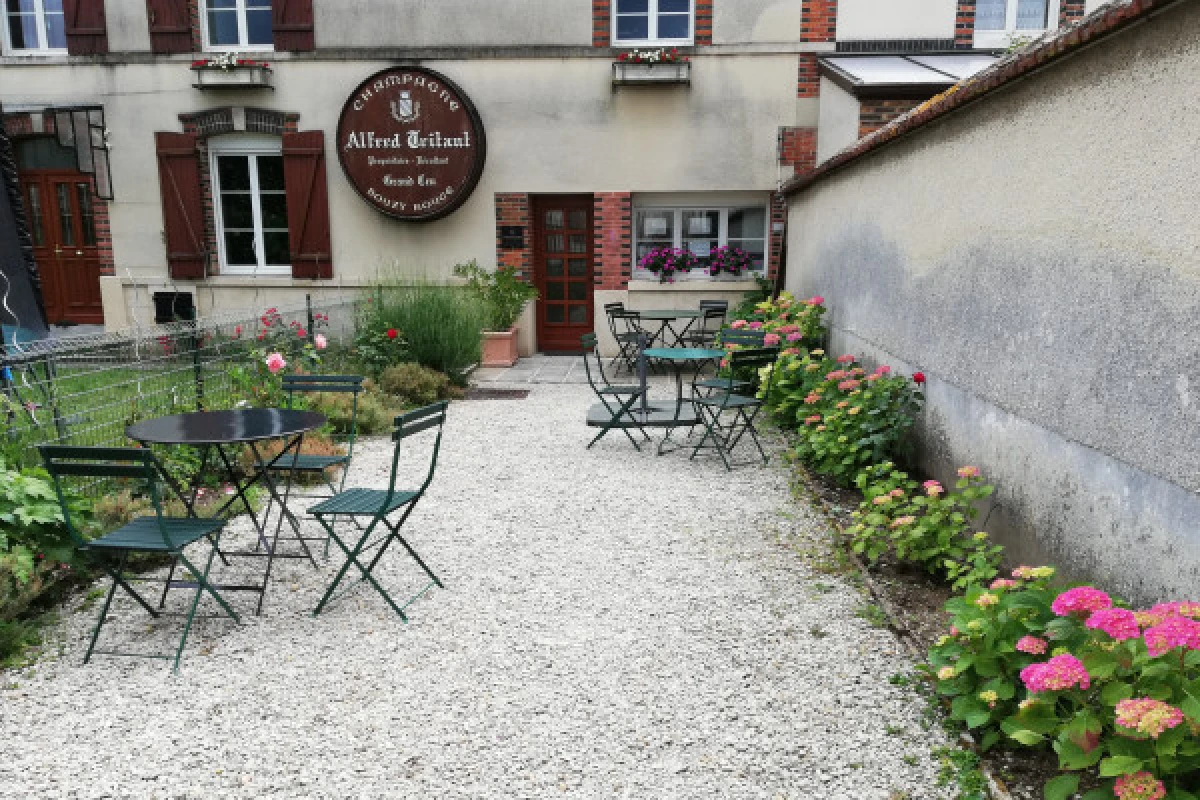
159 534
625 327
740 409
616 400
705 334
321 465
729 383
377 504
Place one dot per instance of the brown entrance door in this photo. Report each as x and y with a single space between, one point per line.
62 223
562 256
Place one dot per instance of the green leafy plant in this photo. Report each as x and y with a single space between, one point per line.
504 295
925 524
442 324
415 384
275 348
378 348
853 420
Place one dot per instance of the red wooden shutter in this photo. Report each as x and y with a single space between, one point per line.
183 207
170 26
292 24
86 32
307 204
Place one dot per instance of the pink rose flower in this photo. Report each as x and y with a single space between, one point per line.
275 362
320 341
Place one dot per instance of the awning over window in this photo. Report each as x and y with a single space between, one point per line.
870 74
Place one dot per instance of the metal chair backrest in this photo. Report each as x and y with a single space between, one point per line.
333 384
610 309
743 337
431 417
102 462
712 321
722 305
589 343
754 360
631 319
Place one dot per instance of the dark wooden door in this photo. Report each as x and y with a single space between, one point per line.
62 222
562 256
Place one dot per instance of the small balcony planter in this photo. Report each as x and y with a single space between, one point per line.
651 68
230 72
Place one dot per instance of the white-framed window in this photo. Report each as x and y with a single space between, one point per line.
34 27
700 229
237 24
652 22
999 22
250 203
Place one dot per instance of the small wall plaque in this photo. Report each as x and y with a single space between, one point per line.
512 237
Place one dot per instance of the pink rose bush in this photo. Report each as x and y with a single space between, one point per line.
275 362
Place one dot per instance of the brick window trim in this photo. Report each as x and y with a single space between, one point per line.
602 23
215 122
20 126
612 231
818 21
1069 11
512 208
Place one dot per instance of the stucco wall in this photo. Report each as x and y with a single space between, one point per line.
1036 255
838 126
422 23
896 19
741 21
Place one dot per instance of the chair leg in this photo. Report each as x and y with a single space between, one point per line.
202 585
712 429
614 418
351 557
104 610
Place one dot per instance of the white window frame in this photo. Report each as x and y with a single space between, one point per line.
252 146
998 40
39 13
243 33
652 28
723 210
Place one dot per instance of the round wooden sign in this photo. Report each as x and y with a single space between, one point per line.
411 143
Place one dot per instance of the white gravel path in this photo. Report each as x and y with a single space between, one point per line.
615 624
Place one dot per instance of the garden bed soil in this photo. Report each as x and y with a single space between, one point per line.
915 602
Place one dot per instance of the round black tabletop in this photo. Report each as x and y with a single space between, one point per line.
224 427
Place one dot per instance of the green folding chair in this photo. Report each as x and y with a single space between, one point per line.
321 465
729 382
377 504
615 401
159 534
729 415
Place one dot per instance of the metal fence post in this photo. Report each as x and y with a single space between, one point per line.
308 308
197 363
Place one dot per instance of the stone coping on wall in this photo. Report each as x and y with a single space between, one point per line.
1104 21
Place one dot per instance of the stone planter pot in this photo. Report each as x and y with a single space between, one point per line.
500 348
246 77
628 74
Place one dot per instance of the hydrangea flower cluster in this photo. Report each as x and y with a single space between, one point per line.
1032 645
1003 583
1119 623
1080 600
1172 632
1147 716
1139 786
1061 672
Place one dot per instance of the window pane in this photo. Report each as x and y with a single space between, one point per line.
632 6
989 15
236 211
1031 15
755 247
577 291
555 243
577 268
258 4
87 215
53 6
66 224
239 249
630 27
15 6
233 172
657 225
554 220
554 267
222 28
554 291
276 243
554 314
258 27
701 223
578 243
270 172
673 26
747 222
577 315
56 35
578 220
35 215
665 6
230 4
274 211
22 31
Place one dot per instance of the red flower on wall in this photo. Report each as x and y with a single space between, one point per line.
918 377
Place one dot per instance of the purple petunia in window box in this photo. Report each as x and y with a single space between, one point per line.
733 260
666 261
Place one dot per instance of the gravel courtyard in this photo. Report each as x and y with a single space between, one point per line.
615 624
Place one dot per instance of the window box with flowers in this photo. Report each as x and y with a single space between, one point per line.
649 67
229 71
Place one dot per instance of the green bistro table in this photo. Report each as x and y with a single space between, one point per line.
665 317
679 357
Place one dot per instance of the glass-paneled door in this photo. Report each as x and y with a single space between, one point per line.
62 222
562 250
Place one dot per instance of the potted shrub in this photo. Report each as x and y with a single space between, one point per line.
504 297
